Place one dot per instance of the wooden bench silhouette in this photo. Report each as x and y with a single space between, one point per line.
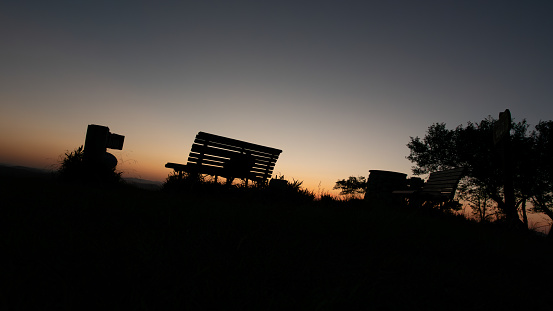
230 158
440 187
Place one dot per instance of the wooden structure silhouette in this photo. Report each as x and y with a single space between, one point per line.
380 185
230 158
98 140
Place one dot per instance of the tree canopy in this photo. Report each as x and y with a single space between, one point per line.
542 186
351 186
472 146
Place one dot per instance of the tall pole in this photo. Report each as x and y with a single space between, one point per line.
508 188
502 139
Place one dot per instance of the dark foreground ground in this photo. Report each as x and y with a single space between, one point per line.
77 247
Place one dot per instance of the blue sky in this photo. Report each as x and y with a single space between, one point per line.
339 86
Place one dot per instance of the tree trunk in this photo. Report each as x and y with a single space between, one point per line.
511 214
524 216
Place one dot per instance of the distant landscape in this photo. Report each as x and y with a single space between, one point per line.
75 246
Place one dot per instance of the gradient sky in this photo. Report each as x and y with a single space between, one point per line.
339 86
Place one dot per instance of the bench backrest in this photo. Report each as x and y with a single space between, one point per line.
443 184
221 156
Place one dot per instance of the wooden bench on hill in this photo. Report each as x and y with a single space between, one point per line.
439 188
230 158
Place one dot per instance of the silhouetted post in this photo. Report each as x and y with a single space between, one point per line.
98 139
502 139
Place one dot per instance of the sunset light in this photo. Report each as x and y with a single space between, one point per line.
276 155
340 89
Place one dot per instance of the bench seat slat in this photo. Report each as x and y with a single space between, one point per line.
451 179
254 169
216 145
196 158
176 166
442 182
224 153
219 171
208 162
439 180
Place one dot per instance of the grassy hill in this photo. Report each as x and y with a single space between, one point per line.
71 246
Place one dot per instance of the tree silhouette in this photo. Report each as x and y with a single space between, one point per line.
474 194
352 186
472 146
542 183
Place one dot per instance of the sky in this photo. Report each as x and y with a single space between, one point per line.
339 86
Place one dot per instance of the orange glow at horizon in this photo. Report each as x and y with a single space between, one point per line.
339 89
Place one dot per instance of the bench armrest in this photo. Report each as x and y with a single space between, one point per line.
176 166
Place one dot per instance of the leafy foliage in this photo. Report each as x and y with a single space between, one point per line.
482 206
542 185
72 166
472 147
351 186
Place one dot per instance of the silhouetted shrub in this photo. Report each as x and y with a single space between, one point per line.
297 192
73 167
188 183
327 197
199 185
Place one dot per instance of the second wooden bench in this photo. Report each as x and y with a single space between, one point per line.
229 158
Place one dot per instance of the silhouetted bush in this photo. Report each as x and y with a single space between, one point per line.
74 168
201 186
187 183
